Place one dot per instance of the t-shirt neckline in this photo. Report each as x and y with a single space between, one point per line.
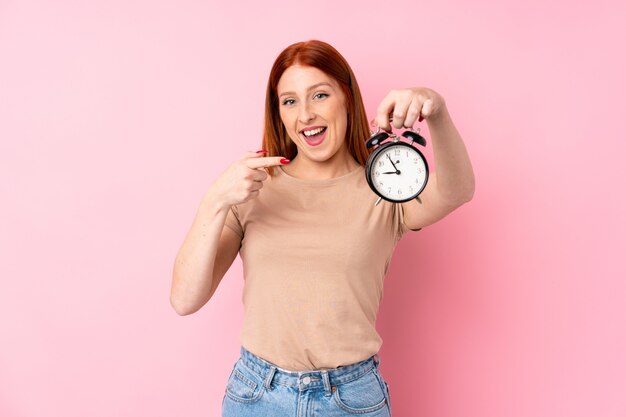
322 182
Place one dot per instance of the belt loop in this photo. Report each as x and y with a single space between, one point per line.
327 391
376 360
268 379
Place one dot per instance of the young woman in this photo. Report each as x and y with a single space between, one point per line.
315 248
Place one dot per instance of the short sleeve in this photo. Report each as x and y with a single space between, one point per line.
232 221
401 227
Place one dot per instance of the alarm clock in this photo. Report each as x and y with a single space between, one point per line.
396 170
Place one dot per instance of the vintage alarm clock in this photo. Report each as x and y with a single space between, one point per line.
396 170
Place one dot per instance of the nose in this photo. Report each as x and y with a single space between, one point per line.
305 114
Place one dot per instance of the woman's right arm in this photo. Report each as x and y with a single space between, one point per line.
206 254
209 248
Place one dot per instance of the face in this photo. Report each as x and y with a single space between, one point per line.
312 108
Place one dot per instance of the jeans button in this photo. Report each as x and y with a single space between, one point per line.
306 380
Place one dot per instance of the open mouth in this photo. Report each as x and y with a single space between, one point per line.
314 136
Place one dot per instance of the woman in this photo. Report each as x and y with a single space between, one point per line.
315 248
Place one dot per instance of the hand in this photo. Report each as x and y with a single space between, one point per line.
406 106
244 178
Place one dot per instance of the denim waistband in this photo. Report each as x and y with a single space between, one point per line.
309 379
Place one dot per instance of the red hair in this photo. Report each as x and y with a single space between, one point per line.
324 57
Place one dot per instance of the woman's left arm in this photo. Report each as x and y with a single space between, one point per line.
452 184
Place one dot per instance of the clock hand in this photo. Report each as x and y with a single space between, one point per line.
389 172
394 165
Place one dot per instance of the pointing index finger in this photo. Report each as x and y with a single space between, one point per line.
266 161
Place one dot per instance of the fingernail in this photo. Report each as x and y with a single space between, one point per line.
261 151
284 161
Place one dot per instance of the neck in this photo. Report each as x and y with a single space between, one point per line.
308 169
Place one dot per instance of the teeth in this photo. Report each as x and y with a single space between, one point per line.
313 132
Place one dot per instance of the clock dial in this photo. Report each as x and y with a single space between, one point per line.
398 172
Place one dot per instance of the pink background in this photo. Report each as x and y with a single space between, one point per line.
116 116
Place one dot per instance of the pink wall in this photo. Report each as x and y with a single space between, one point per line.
116 117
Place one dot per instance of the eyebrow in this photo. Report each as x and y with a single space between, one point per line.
308 89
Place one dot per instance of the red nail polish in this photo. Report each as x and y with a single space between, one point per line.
284 161
261 151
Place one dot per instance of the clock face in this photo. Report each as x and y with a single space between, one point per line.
397 172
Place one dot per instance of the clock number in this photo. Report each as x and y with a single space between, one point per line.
399 191
397 152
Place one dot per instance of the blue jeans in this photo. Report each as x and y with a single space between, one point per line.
262 389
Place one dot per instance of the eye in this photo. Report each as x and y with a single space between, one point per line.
320 94
288 102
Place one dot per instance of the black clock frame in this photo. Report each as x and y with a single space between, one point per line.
380 149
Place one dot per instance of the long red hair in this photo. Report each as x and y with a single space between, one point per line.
324 57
